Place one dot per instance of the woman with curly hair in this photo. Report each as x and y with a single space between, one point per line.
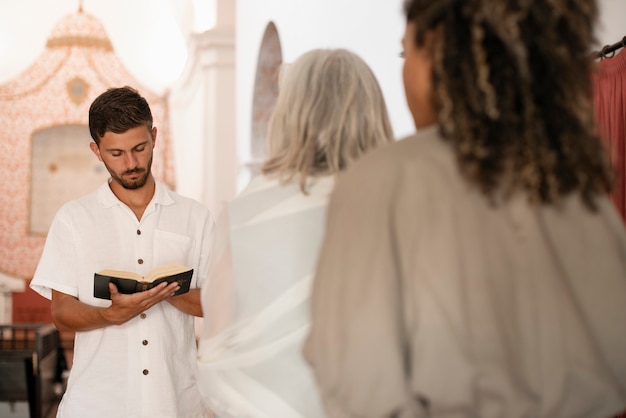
478 268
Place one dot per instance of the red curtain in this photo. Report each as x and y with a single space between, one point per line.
609 96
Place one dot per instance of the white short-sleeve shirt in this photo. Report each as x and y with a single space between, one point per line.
145 367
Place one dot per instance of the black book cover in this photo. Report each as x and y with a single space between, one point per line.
129 286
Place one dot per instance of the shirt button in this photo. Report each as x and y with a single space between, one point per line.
143 316
145 372
145 342
140 261
138 232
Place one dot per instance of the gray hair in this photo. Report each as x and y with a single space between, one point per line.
330 111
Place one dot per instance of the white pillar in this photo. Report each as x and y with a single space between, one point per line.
202 115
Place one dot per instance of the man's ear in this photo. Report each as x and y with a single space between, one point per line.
95 150
154 135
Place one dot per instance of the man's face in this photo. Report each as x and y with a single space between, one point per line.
127 156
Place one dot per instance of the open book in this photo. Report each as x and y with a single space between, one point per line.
128 282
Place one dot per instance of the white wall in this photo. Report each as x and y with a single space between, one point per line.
612 25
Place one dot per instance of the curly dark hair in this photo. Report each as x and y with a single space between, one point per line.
118 110
512 89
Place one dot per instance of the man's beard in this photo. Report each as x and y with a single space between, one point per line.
137 183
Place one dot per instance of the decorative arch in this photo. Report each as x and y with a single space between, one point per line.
265 93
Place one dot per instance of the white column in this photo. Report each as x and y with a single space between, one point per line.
202 115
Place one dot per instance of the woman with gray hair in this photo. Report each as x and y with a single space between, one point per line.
482 271
330 111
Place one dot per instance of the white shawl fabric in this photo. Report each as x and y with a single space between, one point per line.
256 306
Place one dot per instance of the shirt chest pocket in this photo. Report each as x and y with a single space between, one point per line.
170 247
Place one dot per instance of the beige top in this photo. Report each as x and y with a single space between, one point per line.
429 302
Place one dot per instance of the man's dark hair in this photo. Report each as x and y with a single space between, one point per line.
118 110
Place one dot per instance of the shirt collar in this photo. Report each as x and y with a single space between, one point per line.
162 195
